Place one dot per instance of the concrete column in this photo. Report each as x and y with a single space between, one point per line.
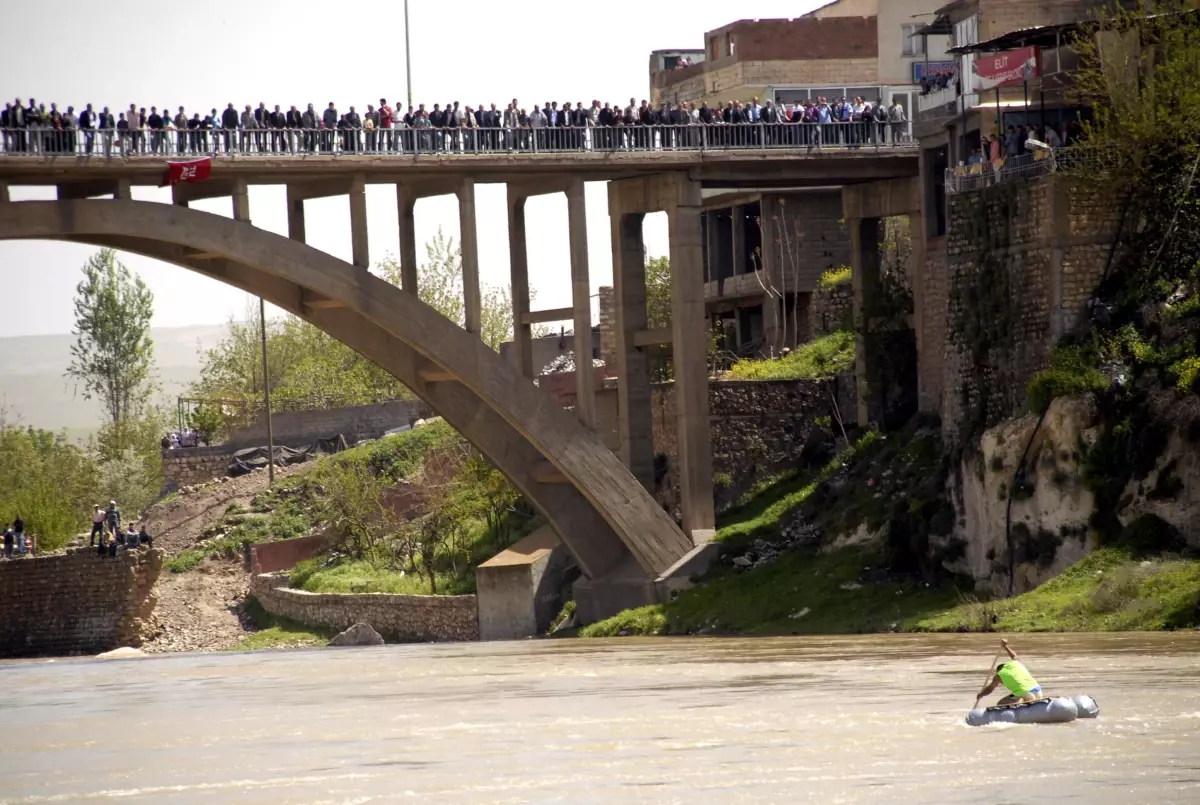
518 259
3 192
295 205
739 239
864 252
712 250
406 206
690 361
472 298
772 306
124 190
358 222
581 298
634 418
928 392
241 201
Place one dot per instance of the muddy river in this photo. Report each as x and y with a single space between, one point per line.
831 721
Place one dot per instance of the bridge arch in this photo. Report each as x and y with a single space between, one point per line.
599 510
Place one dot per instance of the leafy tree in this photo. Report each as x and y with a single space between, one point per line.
113 354
209 420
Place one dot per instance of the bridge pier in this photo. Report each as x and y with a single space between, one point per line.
469 243
629 201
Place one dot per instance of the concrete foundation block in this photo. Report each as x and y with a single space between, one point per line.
520 590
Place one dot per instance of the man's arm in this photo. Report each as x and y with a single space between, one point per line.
988 688
1012 655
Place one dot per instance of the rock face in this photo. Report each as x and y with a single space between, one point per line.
123 653
1050 508
360 634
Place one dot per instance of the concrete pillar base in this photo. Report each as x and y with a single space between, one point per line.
520 591
628 586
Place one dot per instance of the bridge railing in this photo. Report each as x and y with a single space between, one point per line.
199 142
1029 165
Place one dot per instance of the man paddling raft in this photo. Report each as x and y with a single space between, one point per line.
1015 676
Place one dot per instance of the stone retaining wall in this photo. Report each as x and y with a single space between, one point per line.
399 618
195 465
77 602
285 554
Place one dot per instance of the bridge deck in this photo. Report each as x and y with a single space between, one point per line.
773 166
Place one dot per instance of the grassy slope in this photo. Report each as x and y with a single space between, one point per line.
824 357
1108 590
275 632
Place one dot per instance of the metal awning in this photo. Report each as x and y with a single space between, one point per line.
1042 36
941 26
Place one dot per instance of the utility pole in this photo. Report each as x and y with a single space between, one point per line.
262 323
407 56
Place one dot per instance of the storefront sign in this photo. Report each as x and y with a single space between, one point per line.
931 70
993 70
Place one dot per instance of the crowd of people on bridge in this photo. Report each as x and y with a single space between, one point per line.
31 128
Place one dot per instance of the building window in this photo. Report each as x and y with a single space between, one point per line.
712 49
913 45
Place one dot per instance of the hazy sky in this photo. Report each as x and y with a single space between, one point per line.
296 52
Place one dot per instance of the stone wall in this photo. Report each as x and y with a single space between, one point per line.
399 618
608 328
77 602
832 309
195 465
758 428
1022 259
297 428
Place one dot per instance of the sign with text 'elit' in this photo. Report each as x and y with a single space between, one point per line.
992 70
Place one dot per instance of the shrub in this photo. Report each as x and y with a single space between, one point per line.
1072 371
835 278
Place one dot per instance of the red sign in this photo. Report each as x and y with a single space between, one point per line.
197 170
994 70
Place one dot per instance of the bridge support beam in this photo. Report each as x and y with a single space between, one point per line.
518 259
469 242
406 207
680 198
581 298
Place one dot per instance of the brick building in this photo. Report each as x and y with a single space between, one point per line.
847 47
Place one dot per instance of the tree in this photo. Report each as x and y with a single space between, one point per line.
113 354
209 420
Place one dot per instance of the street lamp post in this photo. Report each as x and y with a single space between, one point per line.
407 57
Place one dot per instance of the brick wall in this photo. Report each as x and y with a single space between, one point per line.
997 17
931 324
295 428
285 554
608 327
832 309
76 603
810 237
400 618
831 38
1051 237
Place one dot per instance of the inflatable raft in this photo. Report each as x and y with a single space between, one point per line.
1058 710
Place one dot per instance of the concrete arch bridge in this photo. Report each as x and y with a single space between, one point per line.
596 501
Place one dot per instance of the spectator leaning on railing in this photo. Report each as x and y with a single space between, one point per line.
453 128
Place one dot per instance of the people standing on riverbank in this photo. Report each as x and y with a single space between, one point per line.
98 518
1014 676
8 543
113 518
18 528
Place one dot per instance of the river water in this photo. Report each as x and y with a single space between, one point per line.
831 721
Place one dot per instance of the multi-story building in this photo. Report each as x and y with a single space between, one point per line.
766 251
848 47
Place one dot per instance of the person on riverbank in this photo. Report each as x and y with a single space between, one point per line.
98 518
8 543
113 518
1014 676
18 528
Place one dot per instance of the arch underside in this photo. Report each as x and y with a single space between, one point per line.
601 513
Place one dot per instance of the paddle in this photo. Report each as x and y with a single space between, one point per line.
991 673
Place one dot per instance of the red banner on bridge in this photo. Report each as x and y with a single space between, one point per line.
196 170
993 70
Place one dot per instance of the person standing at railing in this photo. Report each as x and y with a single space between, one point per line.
370 126
330 119
262 122
537 122
386 143
154 124
107 125
308 124
87 124
896 119
295 122
278 122
181 131
229 127
248 127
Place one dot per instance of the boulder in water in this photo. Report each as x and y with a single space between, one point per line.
360 634
123 653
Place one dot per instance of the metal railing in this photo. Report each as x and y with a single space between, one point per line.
126 143
1029 165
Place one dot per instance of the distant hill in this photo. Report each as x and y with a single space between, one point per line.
36 391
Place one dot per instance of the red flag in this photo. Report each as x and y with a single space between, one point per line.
197 170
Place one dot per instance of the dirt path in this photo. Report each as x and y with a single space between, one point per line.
198 611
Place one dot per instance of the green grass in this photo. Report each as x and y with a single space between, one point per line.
822 358
275 632
804 592
365 577
1072 370
1107 591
